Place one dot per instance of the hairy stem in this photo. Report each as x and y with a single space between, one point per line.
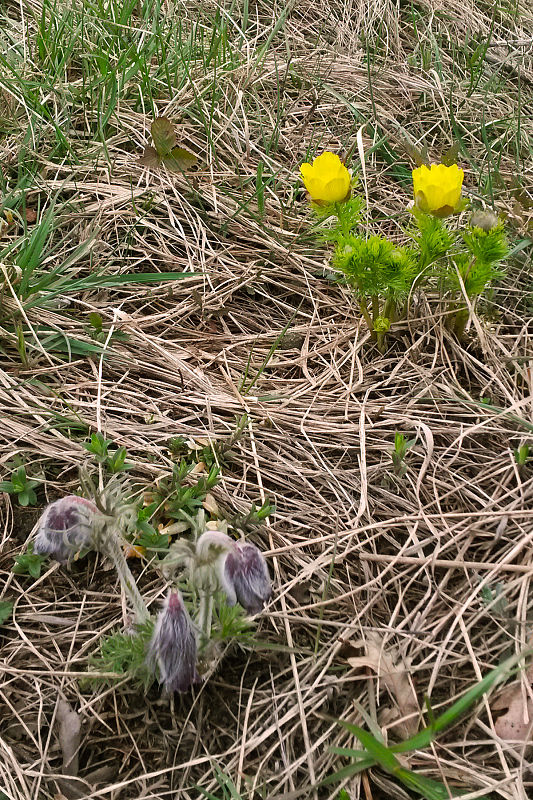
113 549
381 341
205 615
375 307
390 311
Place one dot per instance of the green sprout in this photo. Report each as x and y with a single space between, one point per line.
114 461
522 455
29 563
6 610
401 446
21 486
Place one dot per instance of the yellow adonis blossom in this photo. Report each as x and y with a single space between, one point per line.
437 189
327 180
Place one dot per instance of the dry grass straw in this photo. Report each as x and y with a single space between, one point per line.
354 552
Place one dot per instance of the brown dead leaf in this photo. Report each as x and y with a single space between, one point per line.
69 737
517 702
166 151
210 504
394 674
150 158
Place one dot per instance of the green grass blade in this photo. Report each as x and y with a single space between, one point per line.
424 737
99 281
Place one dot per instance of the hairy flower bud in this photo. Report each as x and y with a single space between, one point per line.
245 577
173 646
65 527
486 220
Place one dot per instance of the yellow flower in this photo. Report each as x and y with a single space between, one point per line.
437 189
327 180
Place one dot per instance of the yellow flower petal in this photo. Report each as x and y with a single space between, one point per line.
335 190
327 180
437 189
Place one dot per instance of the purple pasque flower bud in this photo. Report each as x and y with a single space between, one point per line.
173 646
65 527
245 577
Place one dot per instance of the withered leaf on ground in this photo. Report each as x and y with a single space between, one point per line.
69 737
393 671
179 159
150 158
166 151
516 724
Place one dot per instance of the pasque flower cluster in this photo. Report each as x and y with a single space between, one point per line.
212 564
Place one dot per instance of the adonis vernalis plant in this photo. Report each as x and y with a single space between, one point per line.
383 274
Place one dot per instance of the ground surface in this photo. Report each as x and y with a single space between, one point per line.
359 557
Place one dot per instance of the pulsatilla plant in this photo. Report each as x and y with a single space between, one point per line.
458 264
212 570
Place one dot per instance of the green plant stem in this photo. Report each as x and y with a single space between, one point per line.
390 311
375 307
459 323
113 549
368 319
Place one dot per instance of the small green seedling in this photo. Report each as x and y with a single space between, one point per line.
29 563
97 331
125 655
96 322
493 595
6 610
22 486
229 622
255 516
148 535
216 452
98 447
114 461
522 455
401 446
182 502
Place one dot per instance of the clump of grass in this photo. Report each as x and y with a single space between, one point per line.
377 753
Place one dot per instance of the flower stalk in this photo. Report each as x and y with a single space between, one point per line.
113 549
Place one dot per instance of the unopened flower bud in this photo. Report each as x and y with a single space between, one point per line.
486 220
173 646
245 577
65 527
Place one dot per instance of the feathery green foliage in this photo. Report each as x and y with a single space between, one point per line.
125 655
